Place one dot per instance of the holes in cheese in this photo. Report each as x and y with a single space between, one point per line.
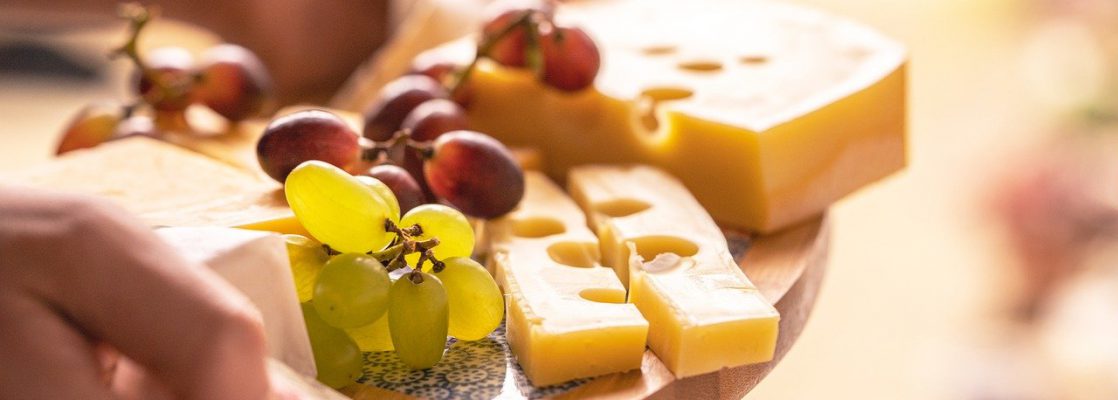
753 59
537 227
701 65
648 247
614 296
574 254
659 49
703 312
567 317
805 109
620 207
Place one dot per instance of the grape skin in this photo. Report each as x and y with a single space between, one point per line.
306 135
417 320
475 173
337 209
476 304
173 88
233 82
351 291
433 118
396 100
571 59
307 257
374 336
385 194
402 184
93 125
336 357
456 236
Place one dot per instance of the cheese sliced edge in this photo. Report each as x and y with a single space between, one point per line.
703 312
567 317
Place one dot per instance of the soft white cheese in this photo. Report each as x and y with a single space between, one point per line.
255 263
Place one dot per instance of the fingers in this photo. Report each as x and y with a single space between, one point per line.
41 355
113 277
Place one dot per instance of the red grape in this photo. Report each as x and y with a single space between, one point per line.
403 185
511 49
442 70
433 118
93 125
168 83
474 173
571 59
433 66
306 135
396 100
234 82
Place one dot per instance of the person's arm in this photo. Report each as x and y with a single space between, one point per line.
81 280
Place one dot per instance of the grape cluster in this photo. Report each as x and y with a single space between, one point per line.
372 279
228 79
523 34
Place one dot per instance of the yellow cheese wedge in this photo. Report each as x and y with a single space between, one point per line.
767 111
166 185
567 316
703 312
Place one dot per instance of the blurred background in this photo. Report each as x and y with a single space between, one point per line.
986 270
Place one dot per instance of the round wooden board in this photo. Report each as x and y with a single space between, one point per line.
788 267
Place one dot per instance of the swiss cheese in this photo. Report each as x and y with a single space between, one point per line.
703 312
567 316
256 264
768 112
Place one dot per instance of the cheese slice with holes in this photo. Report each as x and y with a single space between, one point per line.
703 312
768 112
567 317
166 186
256 264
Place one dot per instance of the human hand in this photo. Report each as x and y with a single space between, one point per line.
81 280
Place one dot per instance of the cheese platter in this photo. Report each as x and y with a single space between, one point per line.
591 199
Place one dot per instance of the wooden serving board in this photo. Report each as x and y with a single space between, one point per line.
788 267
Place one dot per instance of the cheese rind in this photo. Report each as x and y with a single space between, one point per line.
703 312
567 316
768 114
256 264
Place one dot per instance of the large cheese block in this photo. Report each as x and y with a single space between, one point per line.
567 317
166 185
256 264
703 312
768 112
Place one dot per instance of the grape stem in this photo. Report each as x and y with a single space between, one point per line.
381 152
404 244
530 21
138 16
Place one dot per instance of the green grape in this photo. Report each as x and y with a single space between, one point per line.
372 337
456 236
351 291
476 303
337 209
385 194
307 258
417 320
336 356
